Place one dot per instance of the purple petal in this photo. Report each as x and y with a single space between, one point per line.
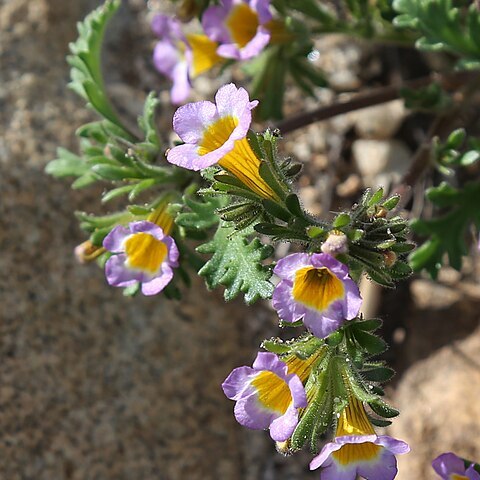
324 454
213 22
298 392
322 324
187 156
262 9
165 26
398 447
471 473
282 427
382 468
287 267
235 102
165 58
352 301
448 463
250 414
113 242
173 252
269 361
319 260
158 283
333 471
118 275
346 439
181 83
282 301
237 382
144 226
191 120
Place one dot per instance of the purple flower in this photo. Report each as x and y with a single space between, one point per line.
143 254
267 396
316 289
357 450
181 57
216 133
451 467
239 26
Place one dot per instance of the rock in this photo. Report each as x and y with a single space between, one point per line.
440 408
96 385
339 57
381 162
380 121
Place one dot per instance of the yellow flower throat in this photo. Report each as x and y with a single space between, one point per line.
354 421
317 288
241 161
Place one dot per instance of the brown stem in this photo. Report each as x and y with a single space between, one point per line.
373 97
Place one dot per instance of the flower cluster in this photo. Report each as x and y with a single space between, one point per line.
234 29
300 388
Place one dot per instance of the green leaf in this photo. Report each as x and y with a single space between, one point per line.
236 263
67 164
446 232
371 343
378 374
383 409
201 212
443 27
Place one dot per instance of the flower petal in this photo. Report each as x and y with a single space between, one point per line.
382 468
186 156
118 275
158 283
237 382
250 414
269 361
324 454
213 22
165 58
191 120
287 267
113 242
448 463
282 427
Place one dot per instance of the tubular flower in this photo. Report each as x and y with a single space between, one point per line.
181 57
357 450
239 26
316 289
144 253
451 467
267 396
216 133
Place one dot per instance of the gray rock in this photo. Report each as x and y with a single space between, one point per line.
381 162
380 121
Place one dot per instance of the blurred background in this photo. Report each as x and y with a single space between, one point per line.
94 385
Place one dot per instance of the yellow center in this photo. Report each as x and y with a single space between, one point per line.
163 219
302 367
145 252
241 161
317 288
356 452
354 421
204 52
273 392
242 22
455 476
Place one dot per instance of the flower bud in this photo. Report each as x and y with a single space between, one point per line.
335 244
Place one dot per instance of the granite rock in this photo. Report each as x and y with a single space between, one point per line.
95 385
